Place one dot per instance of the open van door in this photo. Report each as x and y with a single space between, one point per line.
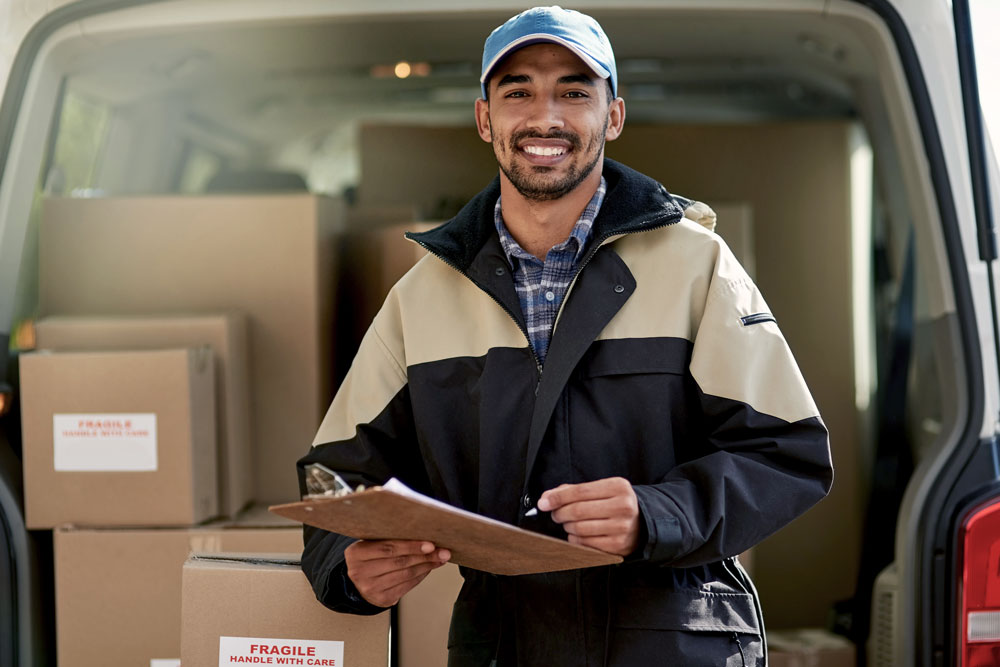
943 607
965 533
902 69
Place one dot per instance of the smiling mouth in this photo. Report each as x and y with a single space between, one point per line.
544 151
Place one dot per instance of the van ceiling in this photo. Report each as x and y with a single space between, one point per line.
274 83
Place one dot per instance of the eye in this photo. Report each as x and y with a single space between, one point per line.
516 93
577 94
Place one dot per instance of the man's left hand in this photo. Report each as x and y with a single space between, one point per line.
603 514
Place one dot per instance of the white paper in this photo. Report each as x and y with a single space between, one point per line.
401 489
165 662
104 442
261 651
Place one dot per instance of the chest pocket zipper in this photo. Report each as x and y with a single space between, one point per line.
739 645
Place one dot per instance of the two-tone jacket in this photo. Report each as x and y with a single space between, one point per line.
665 367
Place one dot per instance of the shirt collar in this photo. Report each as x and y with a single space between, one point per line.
578 236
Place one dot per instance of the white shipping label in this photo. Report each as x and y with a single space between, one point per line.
258 651
165 662
105 442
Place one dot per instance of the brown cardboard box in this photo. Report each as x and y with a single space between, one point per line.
809 647
269 256
118 591
373 259
424 617
226 333
264 610
119 438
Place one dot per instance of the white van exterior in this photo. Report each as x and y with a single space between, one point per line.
184 86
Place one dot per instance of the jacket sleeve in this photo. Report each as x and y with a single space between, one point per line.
759 457
367 437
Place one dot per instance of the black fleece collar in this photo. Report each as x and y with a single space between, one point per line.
634 202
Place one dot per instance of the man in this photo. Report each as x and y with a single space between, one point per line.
577 358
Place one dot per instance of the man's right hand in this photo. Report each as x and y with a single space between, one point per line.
385 570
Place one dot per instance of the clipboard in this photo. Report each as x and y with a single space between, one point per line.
394 511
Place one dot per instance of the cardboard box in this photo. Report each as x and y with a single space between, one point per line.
269 256
263 611
809 647
118 591
225 333
119 438
424 618
372 261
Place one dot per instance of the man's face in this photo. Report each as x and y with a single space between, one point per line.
548 117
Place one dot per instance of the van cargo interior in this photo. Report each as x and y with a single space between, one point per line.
795 127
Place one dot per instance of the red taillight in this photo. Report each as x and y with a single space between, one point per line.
979 590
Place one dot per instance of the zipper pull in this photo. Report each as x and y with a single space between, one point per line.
739 645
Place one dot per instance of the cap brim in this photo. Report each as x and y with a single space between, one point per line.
538 38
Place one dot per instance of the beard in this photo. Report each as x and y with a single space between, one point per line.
534 182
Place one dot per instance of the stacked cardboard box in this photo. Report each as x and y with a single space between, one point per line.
118 591
119 438
182 366
425 616
374 255
271 257
225 333
259 609
810 647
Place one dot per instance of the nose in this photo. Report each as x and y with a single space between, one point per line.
545 114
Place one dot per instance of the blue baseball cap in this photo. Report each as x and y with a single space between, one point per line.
578 32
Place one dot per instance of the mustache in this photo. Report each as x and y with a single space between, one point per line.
570 137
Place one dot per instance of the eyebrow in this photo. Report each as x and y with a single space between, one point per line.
578 78
515 79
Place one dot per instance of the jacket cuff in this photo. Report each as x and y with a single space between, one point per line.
663 530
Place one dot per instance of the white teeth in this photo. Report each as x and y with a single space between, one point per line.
541 150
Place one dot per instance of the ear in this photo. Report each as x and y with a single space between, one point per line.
483 120
616 119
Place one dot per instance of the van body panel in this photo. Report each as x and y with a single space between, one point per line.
913 109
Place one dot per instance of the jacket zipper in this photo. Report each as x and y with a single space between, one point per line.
739 645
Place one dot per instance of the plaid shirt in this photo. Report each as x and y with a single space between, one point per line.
541 286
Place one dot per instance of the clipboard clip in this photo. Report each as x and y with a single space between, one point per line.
323 482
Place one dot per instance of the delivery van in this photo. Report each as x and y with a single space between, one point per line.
257 161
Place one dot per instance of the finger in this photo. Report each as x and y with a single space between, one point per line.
619 545
604 527
390 580
393 595
376 567
381 566
375 549
385 591
565 494
605 508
